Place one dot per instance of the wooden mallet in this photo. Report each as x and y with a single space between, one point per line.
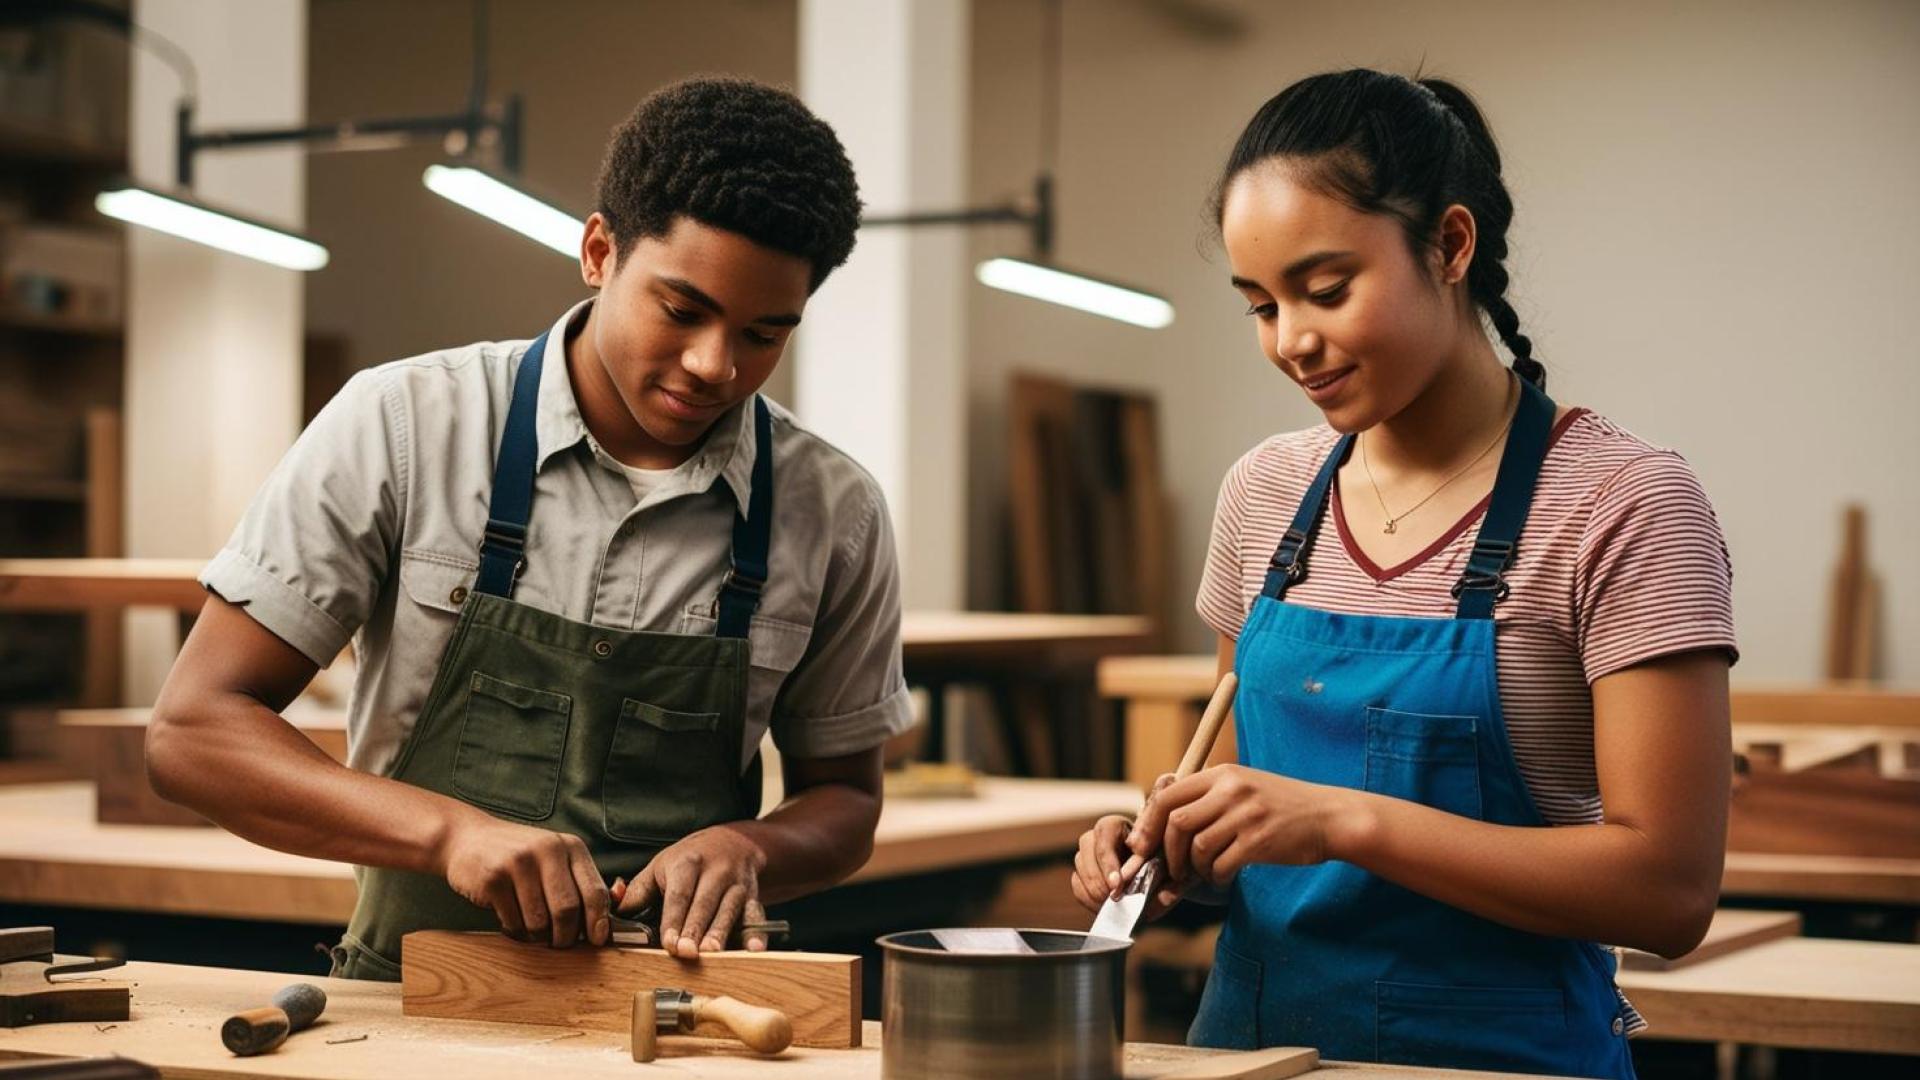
676 1012
257 1031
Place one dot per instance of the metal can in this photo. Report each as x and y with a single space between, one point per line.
978 1004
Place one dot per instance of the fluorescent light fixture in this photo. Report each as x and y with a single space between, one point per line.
189 220
490 197
1057 286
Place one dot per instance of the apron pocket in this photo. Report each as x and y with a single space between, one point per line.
1513 1029
1425 758
511 745
1229 1013
668 774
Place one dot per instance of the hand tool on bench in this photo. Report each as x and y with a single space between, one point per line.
37 991
665 1011
257 1031
644 930
1119 914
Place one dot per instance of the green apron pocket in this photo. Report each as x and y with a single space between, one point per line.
1425 758
668 774
511 745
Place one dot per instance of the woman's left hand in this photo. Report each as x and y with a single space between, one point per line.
1216 821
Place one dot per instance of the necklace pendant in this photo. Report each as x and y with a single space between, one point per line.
1392 526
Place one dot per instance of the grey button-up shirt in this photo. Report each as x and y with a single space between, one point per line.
369 530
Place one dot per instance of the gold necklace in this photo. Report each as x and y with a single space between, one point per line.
1393 520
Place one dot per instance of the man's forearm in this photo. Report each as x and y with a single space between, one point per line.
240 764
813 840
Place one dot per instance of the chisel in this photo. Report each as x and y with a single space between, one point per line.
1119 914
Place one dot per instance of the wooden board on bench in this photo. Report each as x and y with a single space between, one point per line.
1732 930
486 976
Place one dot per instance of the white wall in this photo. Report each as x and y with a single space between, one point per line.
213 340
879 365
1715 243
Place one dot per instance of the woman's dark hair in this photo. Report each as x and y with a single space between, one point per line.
737 155
1384 144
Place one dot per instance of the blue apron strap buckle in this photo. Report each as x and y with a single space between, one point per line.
1486 569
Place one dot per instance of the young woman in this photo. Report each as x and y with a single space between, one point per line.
1482 639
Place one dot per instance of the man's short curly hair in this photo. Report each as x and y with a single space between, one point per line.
737 155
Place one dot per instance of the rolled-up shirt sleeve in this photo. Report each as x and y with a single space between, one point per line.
308 557
848 692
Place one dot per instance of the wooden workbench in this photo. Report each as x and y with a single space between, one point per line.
1164 695
53 853
1813 993
177 1011
931 638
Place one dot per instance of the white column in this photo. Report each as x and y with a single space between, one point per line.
878 370
214 341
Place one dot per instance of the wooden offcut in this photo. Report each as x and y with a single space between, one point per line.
1853 609
27 998
485 976
1732 930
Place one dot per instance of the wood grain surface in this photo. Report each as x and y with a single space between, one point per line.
491 977
178 1009
1733 929
1814 993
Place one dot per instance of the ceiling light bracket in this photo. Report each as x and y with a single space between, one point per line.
492 131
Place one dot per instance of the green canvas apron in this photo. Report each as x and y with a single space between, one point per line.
629 740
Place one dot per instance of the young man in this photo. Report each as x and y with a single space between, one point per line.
583 576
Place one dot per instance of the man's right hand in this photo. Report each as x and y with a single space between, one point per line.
543 885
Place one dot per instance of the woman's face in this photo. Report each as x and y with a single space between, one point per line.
1342 305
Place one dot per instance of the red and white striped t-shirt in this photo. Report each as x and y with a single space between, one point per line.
1621 561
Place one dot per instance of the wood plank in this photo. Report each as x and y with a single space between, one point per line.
1812 993
1733 929
77 584
1833 811
1276 1063
26 998
1845 705
483 976
1821 877
1182 677
363 1036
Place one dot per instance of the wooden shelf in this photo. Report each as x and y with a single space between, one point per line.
25 143
43 489
38 323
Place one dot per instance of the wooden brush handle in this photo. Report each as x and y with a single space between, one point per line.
767 1031
1203 736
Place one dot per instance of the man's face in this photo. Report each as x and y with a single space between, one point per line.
690 323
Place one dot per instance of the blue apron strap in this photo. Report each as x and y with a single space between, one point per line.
1484 581
1288 563
503 545
752 535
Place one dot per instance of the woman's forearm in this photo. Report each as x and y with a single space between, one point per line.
1606 883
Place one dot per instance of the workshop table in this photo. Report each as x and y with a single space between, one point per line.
997 649
1808 993
177 1011
1164 696
53 853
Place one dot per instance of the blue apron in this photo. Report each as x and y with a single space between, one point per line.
1334 957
